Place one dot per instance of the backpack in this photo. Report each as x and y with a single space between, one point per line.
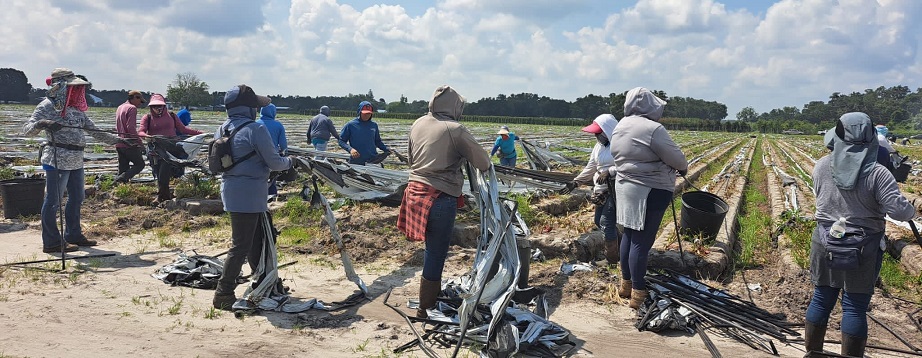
220 157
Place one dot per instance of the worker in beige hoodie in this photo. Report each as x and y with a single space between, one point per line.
438 147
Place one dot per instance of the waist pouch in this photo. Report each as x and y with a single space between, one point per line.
849 251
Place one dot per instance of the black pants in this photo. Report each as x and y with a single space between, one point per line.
247 237
130 163
164 175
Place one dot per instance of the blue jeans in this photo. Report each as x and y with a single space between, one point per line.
635 246
320 145
854 309
606 219
57 182
439 229
509 162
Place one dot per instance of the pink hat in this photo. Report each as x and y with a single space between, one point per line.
593 128
156 99
367 109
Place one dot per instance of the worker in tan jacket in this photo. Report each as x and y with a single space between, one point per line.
438 147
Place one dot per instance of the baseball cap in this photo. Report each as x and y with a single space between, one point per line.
593 128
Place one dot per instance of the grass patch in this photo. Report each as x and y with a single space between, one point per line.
297 235
197 185
799 232
755 223
298 211
134 194
7 173
899 281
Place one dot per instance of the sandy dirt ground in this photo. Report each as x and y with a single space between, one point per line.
112 307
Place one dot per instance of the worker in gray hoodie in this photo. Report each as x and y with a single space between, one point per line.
646 161
320 130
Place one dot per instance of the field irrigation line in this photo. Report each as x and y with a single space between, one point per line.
801 172
804 154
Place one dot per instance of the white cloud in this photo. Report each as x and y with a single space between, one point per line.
794 52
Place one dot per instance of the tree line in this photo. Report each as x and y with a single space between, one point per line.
895 106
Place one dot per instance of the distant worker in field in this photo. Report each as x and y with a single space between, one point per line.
646 160
130 157
161 125
886 154
505 145
361 136
320 130
61 115
438 146
847 256
276 132
598 171
185 116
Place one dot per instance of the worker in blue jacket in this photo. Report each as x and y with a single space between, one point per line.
360 136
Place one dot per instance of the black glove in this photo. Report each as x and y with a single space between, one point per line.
49 125
602 178
682 172
569 187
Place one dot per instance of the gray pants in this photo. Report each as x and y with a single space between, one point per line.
247 236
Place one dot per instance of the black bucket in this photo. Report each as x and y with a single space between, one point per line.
22 197
902 172
703 213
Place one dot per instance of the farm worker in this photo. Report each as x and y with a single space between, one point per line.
849 184
320 130
162 125
185 116
130 159
244 189
505 143
438 146
361 136
276 132
61 115
886 155
646 161
598 170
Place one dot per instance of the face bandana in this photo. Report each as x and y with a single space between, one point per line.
602 139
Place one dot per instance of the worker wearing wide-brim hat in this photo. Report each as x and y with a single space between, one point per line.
505 145
61 116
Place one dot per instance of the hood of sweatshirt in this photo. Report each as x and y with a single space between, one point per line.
446 103
358 112
267 112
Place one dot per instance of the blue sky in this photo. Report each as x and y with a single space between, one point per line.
763 54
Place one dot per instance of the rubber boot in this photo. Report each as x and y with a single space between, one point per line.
428 294
624 291
613 251
813 338
853 346
637 298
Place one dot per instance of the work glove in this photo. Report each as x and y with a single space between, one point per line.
682 172
569 187
295 163
49 125
602 178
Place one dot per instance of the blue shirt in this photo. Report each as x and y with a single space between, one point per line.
363 137
506 147
276 129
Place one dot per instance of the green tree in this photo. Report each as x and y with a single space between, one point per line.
747 114
14 86
188 90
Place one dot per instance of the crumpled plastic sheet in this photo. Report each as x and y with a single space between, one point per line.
568 268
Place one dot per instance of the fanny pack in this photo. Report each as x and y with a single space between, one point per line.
849 251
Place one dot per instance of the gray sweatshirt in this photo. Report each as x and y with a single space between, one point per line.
874 197
645 154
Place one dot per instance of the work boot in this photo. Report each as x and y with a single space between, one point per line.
813 338
624 291
853 346
224 301
613 251
637 298
428 294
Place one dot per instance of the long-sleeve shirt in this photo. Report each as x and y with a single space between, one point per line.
73 135
126 122
275 128
436 149
321 128
244 188
873 197
166 124
362 136
645 154
505 146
